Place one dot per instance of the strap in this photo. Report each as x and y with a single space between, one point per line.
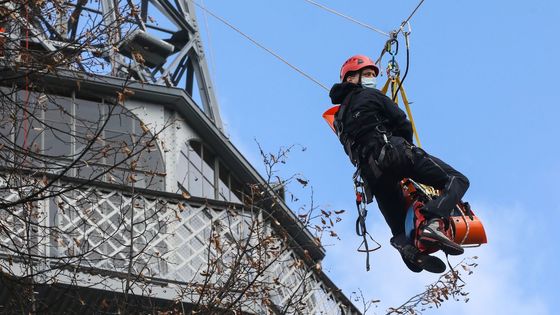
361 220
341 114
395 82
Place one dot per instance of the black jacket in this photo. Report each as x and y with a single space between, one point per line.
367 108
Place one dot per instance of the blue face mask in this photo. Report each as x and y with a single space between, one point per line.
369 82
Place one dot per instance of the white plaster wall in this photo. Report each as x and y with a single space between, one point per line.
171 141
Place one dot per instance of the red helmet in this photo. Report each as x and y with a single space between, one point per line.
356 63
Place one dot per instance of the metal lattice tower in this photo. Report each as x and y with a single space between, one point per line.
153 41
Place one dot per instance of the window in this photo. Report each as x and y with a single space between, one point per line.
202 174
223 183
86 139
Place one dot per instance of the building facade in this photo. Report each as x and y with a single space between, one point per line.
119 190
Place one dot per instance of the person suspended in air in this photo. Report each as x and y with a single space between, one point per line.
377 137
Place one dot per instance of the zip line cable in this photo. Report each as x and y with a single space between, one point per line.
394 35
277 56
263 47
349 18
407 45
212 67
410 16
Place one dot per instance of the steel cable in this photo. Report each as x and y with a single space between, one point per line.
348 18
270 51
263 47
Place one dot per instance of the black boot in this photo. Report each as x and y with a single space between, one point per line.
415 260
432 234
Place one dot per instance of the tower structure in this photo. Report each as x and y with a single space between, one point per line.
118 188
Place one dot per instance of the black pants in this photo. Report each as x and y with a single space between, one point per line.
422 168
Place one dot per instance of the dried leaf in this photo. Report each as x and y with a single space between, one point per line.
126 150
128 92
120 98
298 263
186 195
181 206
138 57
133 165
317 241
145 128
132 178
306 254
217 243
302 181
340 211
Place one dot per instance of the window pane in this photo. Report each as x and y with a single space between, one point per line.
208 165
194 154
208 189
119 119
237 190
196 146
83 137
121 144
58 127
223 183
183 169
28 127
224 191
195 181
88 114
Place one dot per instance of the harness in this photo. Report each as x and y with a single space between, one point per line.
353 140
353 146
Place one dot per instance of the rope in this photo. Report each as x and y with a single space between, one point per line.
263 47
406 68
349 18
361 229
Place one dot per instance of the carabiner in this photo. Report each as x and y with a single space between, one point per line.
406 32
393 42
393 69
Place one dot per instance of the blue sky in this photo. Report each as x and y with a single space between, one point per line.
482 80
